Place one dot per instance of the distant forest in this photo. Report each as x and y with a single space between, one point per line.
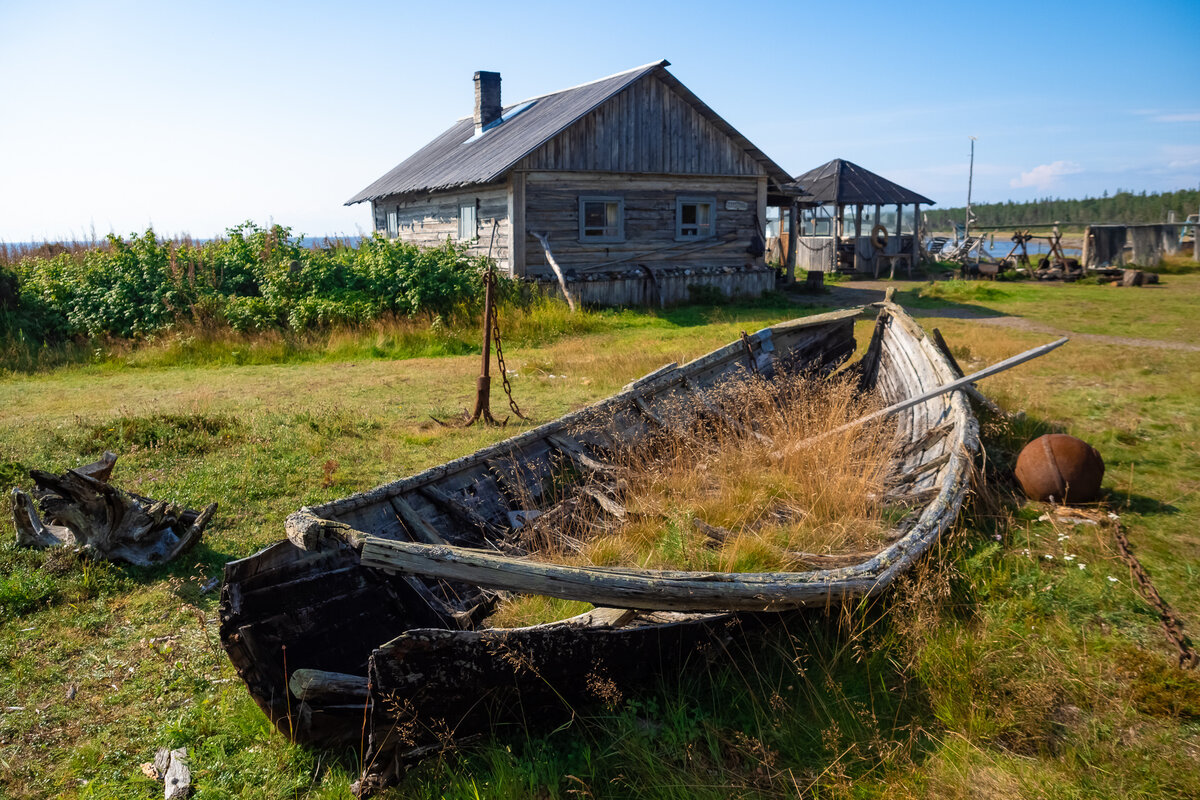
1121 207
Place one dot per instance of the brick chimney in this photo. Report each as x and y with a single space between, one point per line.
487 100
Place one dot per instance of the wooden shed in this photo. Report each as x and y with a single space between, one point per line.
851 219
630 178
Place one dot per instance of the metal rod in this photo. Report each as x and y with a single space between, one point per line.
970 180
1001 366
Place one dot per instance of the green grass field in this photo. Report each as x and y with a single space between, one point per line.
996 672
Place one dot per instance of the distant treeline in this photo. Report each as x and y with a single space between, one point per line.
1123 206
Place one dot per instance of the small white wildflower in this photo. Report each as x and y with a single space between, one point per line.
1068 557
1081 566
1111 579
1048 557
996 536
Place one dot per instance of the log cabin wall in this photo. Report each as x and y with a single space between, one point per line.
648 146
552 207
646 128
427 220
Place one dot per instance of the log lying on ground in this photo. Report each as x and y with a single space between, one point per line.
79 508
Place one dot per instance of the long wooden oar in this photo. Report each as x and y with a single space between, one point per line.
1000 366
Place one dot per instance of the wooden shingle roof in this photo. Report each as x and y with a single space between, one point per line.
457 158
841 182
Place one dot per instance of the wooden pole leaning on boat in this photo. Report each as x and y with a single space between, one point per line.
966 380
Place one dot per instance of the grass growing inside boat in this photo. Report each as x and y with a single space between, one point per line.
750 477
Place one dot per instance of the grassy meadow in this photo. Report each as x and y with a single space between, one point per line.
1017 663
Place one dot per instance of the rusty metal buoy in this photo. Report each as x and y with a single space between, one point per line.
1060 467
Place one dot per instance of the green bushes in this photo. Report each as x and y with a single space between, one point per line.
255 279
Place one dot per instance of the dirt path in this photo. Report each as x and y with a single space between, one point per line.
863 292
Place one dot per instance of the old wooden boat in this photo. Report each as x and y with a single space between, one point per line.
368 623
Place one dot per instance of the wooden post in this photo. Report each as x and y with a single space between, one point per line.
761 212
838 231
918 244
793 244
483 387
857 233
516 225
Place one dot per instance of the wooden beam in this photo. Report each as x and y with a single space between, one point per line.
320 686
460 510
616 588
516 224
793 241
579 457
761 219
415 523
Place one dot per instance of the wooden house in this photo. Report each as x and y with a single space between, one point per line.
639 188
853 220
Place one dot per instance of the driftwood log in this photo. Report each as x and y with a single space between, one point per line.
80 508
544 239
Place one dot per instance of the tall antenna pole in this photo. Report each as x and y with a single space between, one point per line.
970 180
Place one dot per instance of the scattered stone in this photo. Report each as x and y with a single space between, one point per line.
171 767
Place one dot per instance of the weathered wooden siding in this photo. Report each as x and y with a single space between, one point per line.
646 128
666 288
429 219
552 206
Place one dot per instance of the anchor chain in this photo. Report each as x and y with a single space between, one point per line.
1172 624
512 404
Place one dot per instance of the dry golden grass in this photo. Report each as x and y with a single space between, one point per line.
722 488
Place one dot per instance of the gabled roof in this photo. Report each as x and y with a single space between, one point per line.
842 182
451 160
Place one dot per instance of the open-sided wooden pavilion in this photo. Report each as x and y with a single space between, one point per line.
851 219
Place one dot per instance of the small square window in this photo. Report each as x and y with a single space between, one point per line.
393 229
601 219
466 222
695 218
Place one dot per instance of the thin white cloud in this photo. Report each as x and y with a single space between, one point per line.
1158 115
1045 176
1191 116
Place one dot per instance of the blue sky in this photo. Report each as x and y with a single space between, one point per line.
192 116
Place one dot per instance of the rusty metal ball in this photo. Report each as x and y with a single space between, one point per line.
1060 467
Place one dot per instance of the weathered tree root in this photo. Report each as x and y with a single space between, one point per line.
79 508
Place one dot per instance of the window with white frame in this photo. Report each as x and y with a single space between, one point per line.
393 227
466 221
695 218
601 219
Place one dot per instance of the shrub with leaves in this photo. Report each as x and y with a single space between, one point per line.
254 279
